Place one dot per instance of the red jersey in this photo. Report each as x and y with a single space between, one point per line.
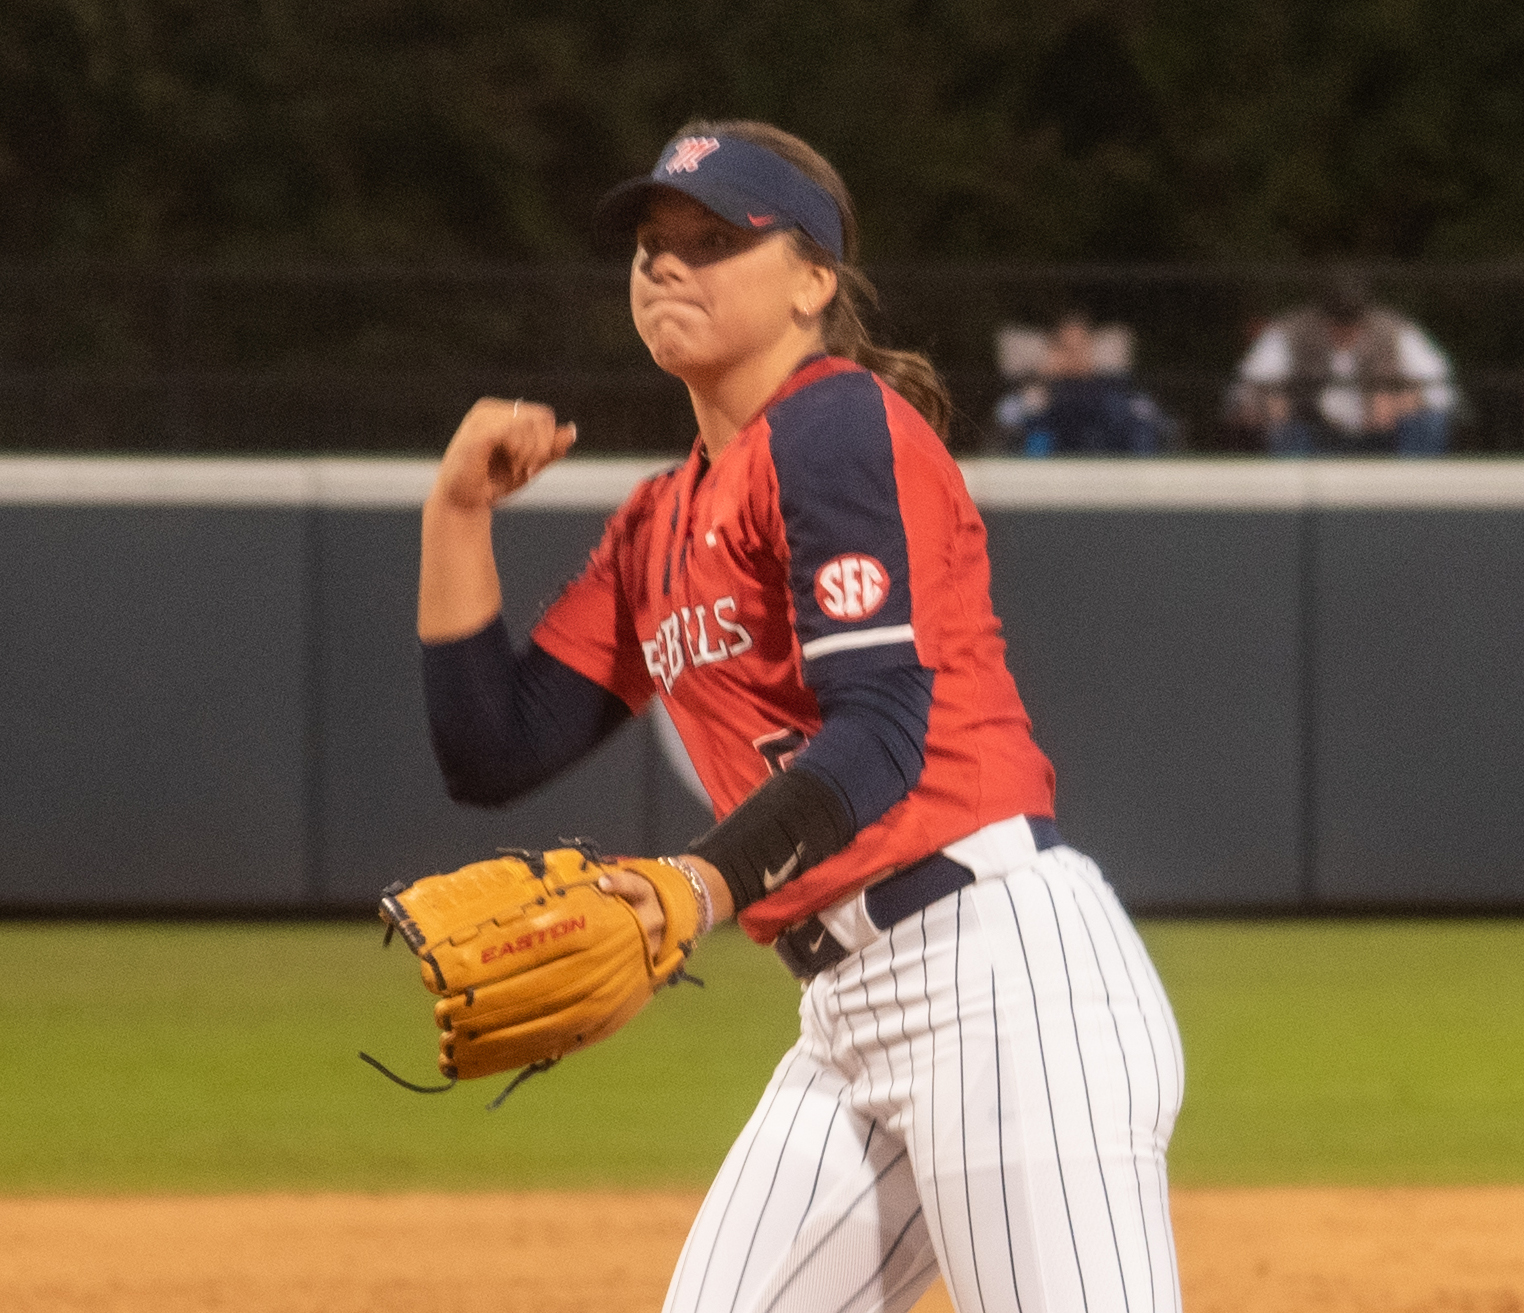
835 523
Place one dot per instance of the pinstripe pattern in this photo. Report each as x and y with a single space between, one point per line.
987 1089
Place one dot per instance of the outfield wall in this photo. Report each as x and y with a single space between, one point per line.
1264 685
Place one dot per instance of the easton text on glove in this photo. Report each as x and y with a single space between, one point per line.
531 960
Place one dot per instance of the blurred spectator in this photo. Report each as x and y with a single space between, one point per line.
1073 393
1345 376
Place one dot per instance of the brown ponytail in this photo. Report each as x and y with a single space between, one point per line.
909 373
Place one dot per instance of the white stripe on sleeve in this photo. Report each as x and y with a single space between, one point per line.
818 647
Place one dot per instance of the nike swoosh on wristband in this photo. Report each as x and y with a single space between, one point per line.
772 879
819 940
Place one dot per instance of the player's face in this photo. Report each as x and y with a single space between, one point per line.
708 296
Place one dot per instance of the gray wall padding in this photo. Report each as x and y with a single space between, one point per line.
1159 657
152 729
219 708
1419 709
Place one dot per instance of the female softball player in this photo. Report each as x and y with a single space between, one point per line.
988 1070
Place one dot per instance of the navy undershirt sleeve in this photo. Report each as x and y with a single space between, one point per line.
502 721
871 747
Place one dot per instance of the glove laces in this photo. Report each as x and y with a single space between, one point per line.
533 1069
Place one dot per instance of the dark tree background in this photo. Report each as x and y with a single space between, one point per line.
426 131
317 225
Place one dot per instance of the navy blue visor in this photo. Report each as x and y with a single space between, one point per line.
744 184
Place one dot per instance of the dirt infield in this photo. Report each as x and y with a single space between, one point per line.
1249 1251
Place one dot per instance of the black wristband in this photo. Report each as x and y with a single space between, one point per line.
793 822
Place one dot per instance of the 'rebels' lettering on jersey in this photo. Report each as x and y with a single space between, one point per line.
674 648
834 528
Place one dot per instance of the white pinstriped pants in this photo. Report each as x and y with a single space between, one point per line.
987 1089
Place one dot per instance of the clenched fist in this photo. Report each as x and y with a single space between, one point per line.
498 448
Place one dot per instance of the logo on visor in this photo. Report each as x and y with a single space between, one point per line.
760 220
851 587
690 150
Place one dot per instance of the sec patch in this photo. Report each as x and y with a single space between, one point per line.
851 587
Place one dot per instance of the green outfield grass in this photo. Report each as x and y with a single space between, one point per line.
1359 1052
194 1057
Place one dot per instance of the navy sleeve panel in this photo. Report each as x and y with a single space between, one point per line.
502 721
849 572
849 568
871 747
